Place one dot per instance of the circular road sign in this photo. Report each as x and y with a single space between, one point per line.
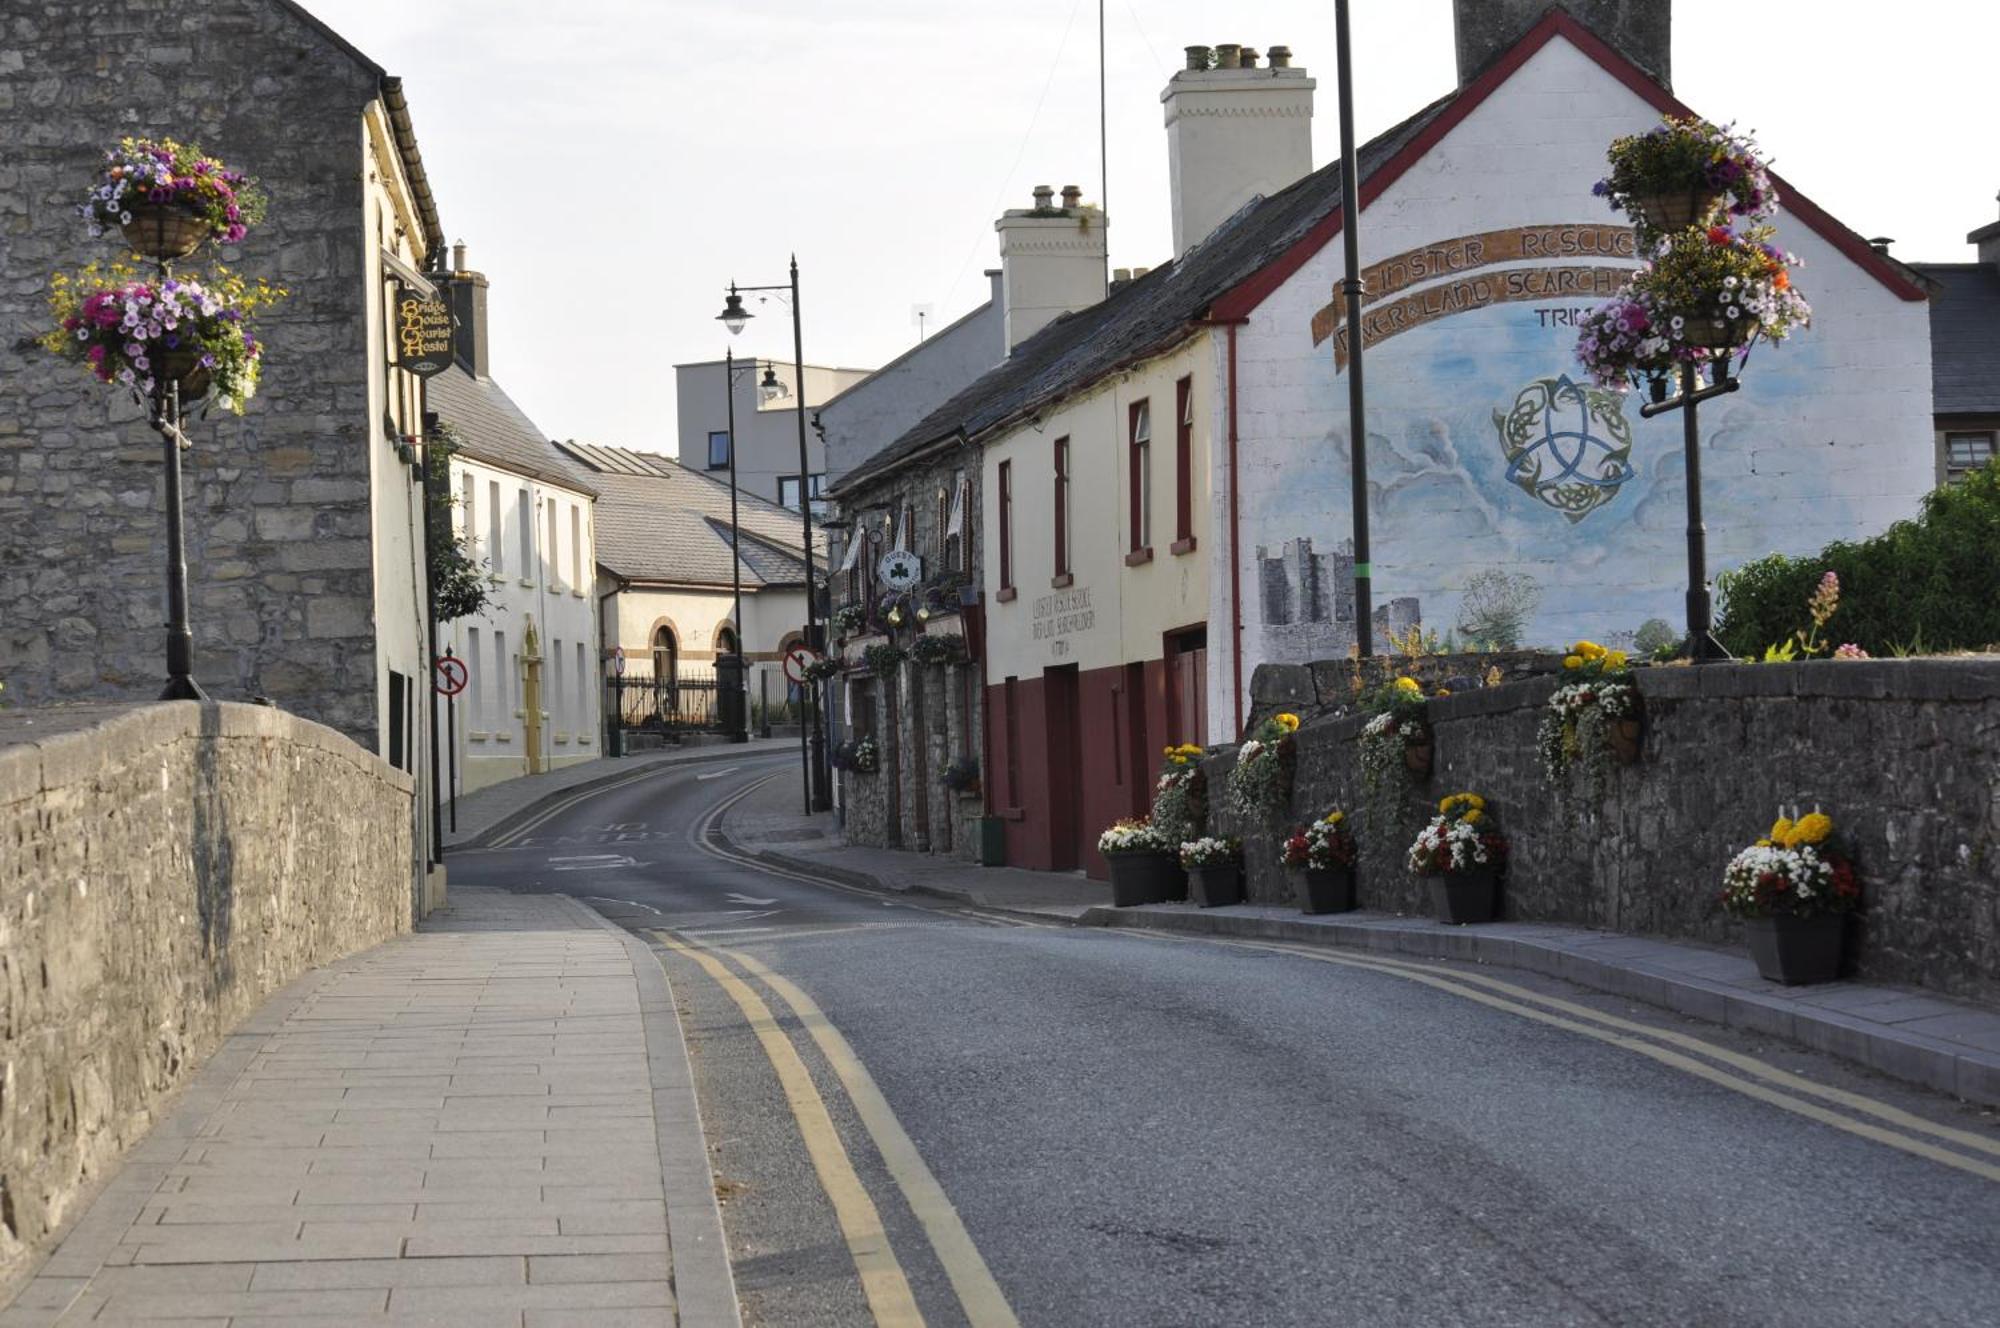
797 660
900 569
451 675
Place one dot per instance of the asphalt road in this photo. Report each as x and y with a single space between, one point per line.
1132 1130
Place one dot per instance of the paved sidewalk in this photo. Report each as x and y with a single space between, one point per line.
1951 1046
490 1122
482 811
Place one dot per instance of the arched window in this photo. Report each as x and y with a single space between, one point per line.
666 655
725 640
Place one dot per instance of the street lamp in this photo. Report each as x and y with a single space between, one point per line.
736 718
1702 647
812 735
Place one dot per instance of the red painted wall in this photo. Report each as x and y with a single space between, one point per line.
1079 771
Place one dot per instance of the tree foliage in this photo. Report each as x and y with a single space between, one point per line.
458 580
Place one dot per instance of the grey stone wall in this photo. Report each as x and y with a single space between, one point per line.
278 501
164 868
1903 754
907 804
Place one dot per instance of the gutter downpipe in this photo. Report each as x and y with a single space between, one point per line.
1229 325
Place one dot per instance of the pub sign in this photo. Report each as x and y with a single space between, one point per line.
423 333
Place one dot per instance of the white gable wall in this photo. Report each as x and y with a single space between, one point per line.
1829 439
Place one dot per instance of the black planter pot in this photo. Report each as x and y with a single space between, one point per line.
1213 887
1143 878
1464 897
1324 889
1796 951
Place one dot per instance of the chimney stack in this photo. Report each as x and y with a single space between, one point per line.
1639 29
1234 132
1987 237
1051 261
468 310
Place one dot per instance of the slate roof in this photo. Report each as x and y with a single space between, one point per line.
494 430
1965 338
658 521
1143 317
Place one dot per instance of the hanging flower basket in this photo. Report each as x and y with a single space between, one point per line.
1717 333
169 198
149 333
1685 172
163 231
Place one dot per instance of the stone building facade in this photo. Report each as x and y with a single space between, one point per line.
304 570
922 716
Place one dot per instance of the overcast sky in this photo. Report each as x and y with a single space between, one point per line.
613 164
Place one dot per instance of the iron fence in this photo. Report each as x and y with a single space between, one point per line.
683 701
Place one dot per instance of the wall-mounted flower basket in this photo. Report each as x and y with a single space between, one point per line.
882 658
944 648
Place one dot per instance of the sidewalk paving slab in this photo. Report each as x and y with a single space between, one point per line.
489 1121
1943 1044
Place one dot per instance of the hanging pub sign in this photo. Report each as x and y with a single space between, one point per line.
423 333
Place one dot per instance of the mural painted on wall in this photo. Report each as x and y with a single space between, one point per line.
1495 466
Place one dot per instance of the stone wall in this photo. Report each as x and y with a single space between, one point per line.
1903 754
163 868
278 519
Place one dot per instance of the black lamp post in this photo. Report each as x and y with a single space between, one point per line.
1702 647
1351 284
165 417
812 734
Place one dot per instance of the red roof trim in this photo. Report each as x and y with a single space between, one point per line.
1247 295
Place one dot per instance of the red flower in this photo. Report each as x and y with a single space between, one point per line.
1719 235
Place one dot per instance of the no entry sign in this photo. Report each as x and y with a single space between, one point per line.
797 660
451 675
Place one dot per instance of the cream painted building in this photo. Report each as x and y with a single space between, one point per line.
531 701
666 591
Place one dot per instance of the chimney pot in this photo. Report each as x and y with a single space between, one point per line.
1249 57
1072 197
1880 243
1198 57
1232 139
1044 197
1228 55
1281 57
458 257
1139 272
1120 275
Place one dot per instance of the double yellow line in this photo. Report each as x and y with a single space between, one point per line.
1853 1113
883 1281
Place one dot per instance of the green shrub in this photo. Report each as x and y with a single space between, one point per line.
1934 580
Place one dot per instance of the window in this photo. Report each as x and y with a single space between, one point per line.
1966 452
469 491
554 573
1062 508
399 721
475 682
1184 466
1140 458
718 450
788 492
957 539
666 654
1006 491
525 518
496 548
501 695
939 537
556 684
578 573
582 692
909 527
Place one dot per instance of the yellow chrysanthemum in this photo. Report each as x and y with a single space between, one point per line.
1781 831
1614 659
1572 661
1588 649
1811 829
1476 800
1473 817
1288 722
1334 817
1410 685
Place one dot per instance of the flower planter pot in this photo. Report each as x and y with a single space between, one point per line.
1324 889
1417 759
164 231
1143 878
185 368
1623 736
1795 951
1464 897
1213 887
1715 333
1678 210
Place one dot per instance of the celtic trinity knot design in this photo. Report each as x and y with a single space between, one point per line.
1554 438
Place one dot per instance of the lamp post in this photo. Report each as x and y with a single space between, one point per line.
1351 285
165 417
1702 647
737 730
812 735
